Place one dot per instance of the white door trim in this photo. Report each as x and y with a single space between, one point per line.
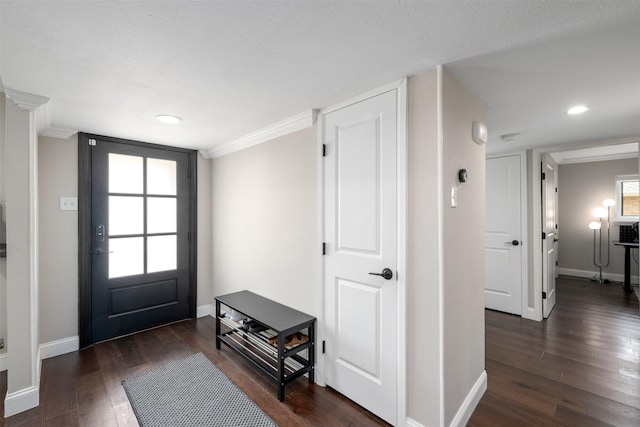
401 87
526 311
535 312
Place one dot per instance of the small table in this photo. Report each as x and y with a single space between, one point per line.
280 363
627 263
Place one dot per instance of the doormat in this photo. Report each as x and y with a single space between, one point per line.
191 392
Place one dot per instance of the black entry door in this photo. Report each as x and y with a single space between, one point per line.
142 217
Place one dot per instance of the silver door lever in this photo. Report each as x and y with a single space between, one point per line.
101 251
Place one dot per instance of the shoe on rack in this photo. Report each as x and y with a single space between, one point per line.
290 340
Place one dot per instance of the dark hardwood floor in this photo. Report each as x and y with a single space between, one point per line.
580 367
84 388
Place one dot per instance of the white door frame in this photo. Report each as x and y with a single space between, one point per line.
401 87
535 166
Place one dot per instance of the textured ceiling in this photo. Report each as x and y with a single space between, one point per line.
527 90
229 68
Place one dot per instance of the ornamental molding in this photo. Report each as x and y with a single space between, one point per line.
42 112
284 127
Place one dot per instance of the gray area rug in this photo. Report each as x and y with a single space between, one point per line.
191 392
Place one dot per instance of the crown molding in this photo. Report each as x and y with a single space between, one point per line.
602 158
41 106
601 153
26 101
59 133
292 124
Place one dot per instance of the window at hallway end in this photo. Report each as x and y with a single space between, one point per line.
627 198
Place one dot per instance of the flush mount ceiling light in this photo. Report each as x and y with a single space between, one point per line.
166 118
578 109
508 136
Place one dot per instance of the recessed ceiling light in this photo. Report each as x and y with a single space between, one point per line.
166 118
578 109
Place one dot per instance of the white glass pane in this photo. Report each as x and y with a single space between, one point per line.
161 177
125 215
126 256
162 253
125 174
630 199
161 215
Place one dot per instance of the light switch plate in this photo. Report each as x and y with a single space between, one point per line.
454 196
68 203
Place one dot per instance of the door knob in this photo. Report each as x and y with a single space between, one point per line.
386 273
513 242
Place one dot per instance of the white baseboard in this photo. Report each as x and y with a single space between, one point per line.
59 347
20 401
614 277
412 423
3 362
469 404
205 310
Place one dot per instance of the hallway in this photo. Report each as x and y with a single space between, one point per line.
579 367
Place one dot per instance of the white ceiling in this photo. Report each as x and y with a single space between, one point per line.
229 68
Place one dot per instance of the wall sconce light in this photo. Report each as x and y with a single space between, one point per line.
596 226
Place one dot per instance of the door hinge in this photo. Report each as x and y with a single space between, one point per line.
556 189
556 263
544 295
92 142
324 150
323 347
544 175
324 248
544 235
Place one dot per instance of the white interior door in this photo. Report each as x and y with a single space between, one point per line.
360 198
503 243
549 225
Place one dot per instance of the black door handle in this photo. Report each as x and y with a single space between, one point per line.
386 273
513 242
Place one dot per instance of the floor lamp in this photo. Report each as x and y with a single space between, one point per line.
596 226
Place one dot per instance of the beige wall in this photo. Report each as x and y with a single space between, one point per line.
581 188
205 267
58 248
423 252
463 247
58 261
265 221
